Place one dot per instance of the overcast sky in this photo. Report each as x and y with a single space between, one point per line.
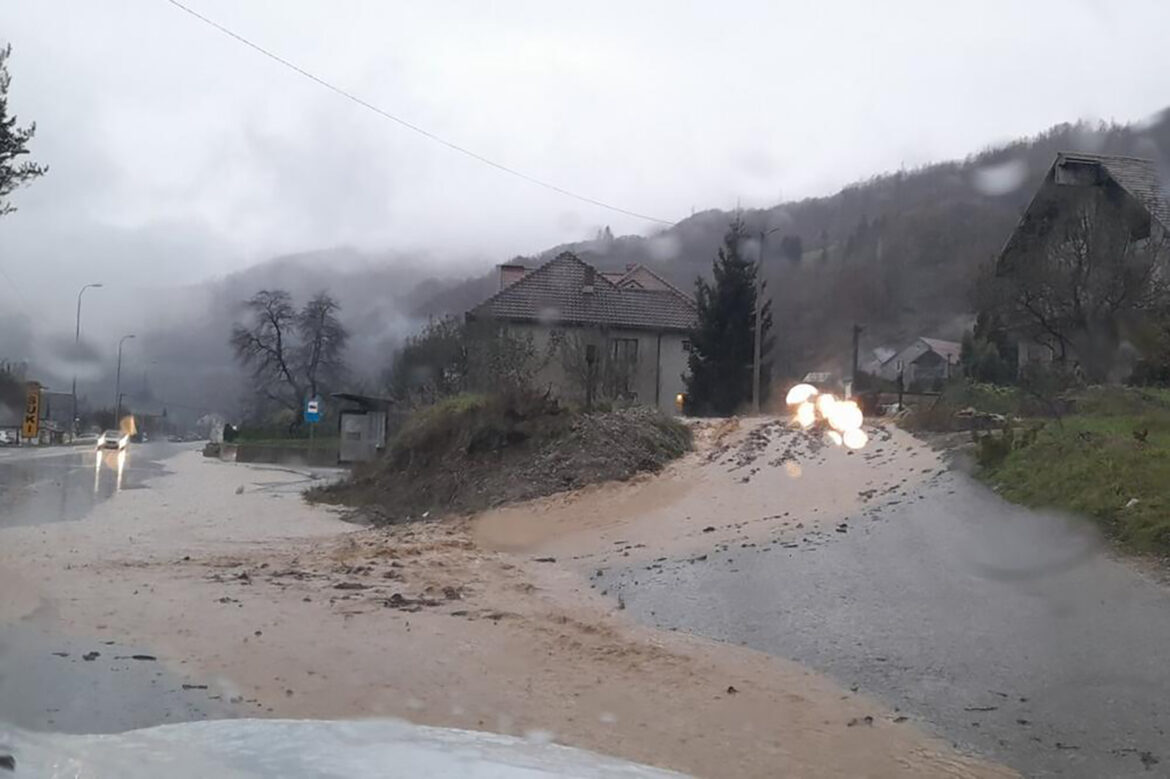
177 153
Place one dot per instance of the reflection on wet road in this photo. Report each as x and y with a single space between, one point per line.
1009 631
58 485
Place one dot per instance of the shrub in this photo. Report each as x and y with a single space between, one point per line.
992 449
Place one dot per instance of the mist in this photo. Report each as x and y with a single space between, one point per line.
182 162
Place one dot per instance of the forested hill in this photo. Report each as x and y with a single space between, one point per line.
897 253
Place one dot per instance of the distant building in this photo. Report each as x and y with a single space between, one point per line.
923 362
823 380
617 335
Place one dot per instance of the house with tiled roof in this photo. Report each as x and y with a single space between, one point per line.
923 363
598 334
1091 203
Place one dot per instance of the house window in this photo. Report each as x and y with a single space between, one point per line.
686 344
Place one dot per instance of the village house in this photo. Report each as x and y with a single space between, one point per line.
597 335
1093 214
923 363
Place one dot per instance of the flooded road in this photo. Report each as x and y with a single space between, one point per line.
1010 632
53 680
61 484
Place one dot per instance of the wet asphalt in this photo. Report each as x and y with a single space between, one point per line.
1011 633
63 483
52 680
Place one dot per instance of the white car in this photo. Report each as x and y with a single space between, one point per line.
113 439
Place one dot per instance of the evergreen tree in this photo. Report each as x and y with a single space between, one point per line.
13 144
720 362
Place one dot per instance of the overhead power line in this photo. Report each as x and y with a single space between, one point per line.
413 127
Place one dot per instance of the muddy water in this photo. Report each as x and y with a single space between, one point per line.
1012 633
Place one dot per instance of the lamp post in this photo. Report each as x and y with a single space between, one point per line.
756 346
77 345
118 383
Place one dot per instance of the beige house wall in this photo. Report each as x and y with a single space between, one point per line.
653 378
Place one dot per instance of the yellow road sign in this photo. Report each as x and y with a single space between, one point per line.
32 412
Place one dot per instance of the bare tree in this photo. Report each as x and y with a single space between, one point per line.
1089 266
431 364
291 354
597 366
266 346
323 339
499 358
582 360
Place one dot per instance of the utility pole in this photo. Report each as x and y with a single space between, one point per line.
118 383
757 344
76 355
856 339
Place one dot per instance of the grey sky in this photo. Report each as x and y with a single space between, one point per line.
178 154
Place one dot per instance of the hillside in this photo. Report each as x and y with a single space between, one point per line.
897 253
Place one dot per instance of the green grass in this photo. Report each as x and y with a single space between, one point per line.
1092 463
318 442
938 415
991 398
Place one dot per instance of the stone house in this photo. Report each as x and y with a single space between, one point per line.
1096 210
597 335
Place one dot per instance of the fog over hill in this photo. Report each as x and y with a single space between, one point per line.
896 253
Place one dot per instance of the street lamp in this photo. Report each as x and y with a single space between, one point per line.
118 383
77 345
756 346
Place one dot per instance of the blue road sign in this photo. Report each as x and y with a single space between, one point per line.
313 410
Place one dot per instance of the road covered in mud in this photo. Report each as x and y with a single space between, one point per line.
1012 633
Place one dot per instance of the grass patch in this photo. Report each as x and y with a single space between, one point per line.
1114 449
941 414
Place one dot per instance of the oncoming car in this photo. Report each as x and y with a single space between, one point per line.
113 439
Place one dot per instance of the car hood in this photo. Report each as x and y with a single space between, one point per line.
305 748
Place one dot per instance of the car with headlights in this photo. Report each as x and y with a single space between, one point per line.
113 439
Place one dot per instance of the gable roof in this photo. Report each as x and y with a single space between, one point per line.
1136 175
640 275
555 293
949 350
